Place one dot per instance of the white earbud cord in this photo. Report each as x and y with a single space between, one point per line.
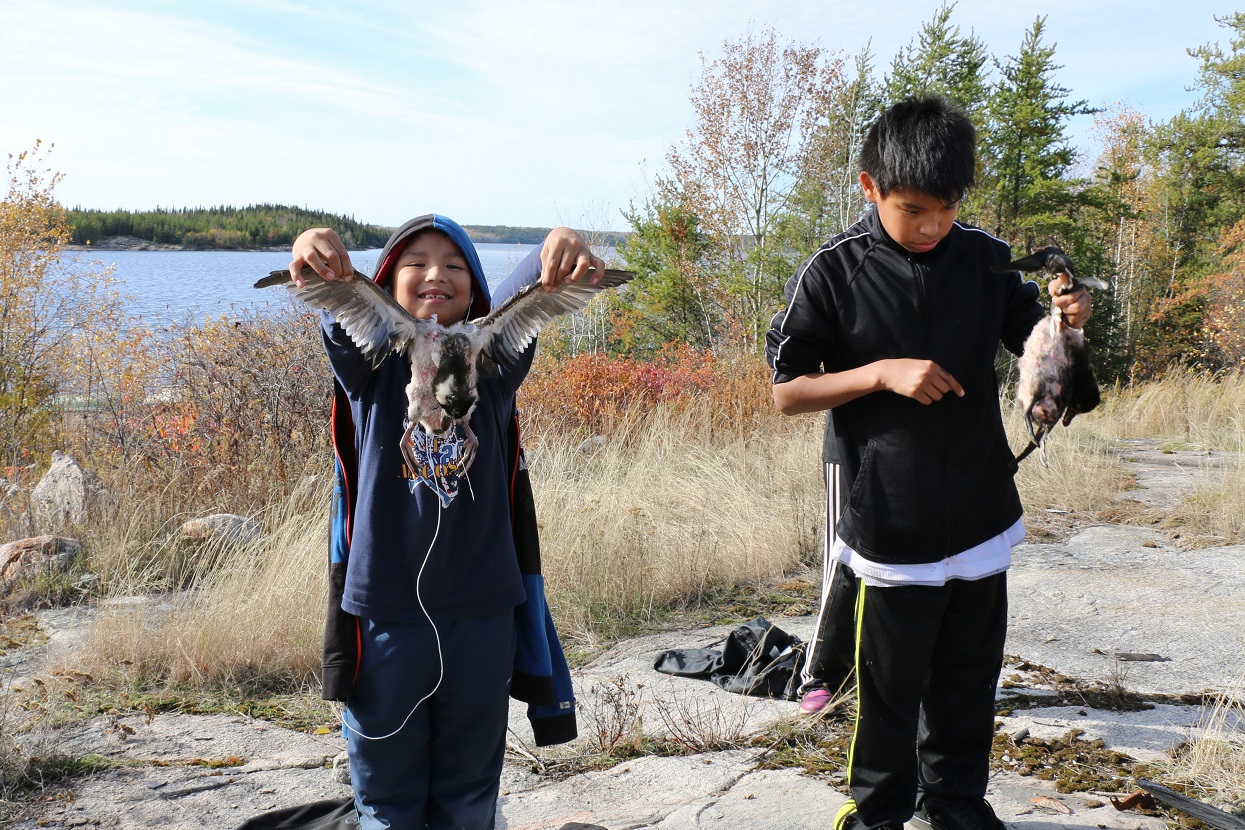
440 657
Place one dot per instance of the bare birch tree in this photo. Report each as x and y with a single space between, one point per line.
756 112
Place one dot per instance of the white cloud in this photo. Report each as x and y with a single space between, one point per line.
520 113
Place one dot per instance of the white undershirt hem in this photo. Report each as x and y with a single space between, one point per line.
991 557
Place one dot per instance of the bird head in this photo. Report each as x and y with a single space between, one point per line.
1058 265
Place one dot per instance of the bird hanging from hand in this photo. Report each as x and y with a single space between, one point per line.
445 360
1056 375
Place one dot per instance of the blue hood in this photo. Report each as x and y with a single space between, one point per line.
481 301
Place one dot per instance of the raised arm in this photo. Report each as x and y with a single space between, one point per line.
323 250
563 257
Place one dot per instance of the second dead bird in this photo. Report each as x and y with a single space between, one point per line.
1056 374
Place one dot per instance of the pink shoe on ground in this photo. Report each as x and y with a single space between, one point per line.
814 700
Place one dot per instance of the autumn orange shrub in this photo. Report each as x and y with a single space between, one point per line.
242 401
595 393
228 415
1222 335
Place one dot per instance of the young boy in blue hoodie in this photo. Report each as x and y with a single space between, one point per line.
437 611
894 325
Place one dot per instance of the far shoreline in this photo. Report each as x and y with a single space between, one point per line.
130 243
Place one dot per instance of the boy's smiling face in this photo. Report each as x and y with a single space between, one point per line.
913 218
432 277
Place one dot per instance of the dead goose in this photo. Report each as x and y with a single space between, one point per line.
445 360
1057 379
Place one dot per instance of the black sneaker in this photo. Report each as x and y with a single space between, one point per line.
854 823
851 821
955 815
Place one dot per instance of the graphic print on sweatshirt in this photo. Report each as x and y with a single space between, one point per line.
438 463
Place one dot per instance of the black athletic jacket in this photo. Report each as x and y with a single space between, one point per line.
924 482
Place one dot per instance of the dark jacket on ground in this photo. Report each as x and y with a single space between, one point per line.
924 482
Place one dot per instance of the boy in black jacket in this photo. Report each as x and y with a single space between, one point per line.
894 324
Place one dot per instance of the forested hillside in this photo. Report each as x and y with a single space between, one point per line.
262 226
533 236
257 226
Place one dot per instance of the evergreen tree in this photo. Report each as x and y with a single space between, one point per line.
1200 153
1027 194
670 298
942 61
1198 157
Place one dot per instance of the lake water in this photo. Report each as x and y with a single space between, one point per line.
187 287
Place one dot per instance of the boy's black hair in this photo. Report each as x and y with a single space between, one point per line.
926 144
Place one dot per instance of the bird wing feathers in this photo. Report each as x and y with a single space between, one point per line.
370 317
512 325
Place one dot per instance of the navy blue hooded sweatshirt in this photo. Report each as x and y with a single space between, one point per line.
482 549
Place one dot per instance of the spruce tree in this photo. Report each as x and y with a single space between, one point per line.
941 60
1027 193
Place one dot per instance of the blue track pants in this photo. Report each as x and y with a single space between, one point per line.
442 769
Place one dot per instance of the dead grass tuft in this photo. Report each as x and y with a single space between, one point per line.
1213 763
252 616
1184 408
695 724
1080 475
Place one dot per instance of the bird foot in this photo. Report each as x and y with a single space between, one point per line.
407 445
470 445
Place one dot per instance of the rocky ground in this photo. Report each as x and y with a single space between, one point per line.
1112 616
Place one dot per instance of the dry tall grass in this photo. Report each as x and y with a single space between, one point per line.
654 518
661 511
1080 474
1184 408
1214 761
1213 512
668 502
252 616
1192 412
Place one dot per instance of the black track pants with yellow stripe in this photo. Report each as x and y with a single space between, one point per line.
927 663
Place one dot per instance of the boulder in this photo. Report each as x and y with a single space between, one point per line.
228 528
341 768
66 494
24 560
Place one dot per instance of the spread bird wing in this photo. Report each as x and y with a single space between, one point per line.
370 317
515 323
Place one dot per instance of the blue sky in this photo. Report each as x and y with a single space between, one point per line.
535 113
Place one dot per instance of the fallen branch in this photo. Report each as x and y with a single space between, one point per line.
1199 810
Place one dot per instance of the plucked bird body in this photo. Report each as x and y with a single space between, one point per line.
1057 379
